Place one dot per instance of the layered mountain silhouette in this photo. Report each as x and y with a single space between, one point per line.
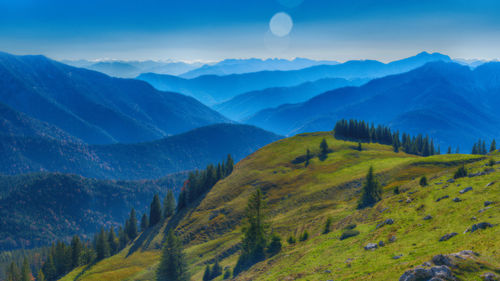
94 107
212 89
188 151
451 102
130 69
239 66
244 105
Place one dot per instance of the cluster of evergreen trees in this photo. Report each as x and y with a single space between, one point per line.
199 182
361 131
480 147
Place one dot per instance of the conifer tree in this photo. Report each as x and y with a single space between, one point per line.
76 251
449 150
493 146
323 149
483 148
26 271
155 211
216 270
131 225
173 266
13 272
114 243
308 156
40 276
102 245
254 234
372 193
359 146
207 276
144 222
122 237
169 204
327 225
229 165
49 268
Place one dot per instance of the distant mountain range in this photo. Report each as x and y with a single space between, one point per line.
37 209
450 102
192 150
130 69
94 107
213 89
239 66
245 105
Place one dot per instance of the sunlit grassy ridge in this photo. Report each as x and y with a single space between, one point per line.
300 198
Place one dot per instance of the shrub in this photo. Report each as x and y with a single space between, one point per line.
327 225
423 181
304 236
291 240
227 274
460 173
349 233
492 162
396 190
274 246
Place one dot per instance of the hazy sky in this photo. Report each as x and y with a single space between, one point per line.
216 29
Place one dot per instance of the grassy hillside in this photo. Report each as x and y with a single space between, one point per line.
301 198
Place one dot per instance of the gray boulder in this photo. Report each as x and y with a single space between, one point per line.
481 225
448 236
456 199
442 197
467 189
488 276
428 217
487 203
371 246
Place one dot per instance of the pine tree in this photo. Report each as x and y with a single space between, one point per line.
102 245
26 271
216 270
449 150
13 272
122 237
131 226
173 266
169 204
328 223
207 275
49 268
359 146
229 165
483 148
144 222
493 146
372 192
76 251
254 233
40 276
323 149
155 211
308 156
114 243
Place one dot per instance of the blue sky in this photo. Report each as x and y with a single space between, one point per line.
216 29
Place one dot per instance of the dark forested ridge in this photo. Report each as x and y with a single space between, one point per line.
94 107
192 150
36 209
